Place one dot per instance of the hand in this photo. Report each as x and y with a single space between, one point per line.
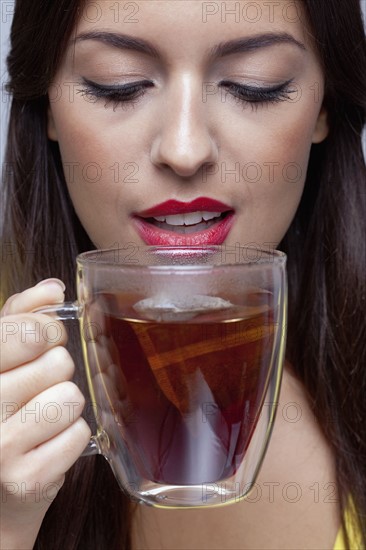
42 433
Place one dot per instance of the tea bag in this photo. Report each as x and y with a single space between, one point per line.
167 308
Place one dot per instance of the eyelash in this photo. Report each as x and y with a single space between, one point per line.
131 93
115 95
256 96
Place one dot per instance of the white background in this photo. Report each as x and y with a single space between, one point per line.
6 11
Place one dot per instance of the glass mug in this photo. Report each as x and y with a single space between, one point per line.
183 350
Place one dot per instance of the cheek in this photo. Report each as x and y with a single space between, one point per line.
97 167
273 165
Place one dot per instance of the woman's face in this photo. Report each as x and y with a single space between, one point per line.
187 122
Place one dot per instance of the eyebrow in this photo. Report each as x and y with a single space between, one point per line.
240 45
120 41
255 42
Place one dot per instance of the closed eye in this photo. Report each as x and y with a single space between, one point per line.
259 95
116 94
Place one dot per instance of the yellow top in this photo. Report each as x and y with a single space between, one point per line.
354 535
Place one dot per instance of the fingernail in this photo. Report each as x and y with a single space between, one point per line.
50 281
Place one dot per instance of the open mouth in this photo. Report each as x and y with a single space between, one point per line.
201 221
187 223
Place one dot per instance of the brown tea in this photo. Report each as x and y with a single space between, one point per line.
186 395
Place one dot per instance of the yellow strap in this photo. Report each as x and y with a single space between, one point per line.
353 533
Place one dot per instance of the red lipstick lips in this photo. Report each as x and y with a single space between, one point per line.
212 231
176 207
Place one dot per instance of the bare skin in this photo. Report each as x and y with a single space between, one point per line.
179 139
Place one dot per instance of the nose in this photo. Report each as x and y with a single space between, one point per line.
184 143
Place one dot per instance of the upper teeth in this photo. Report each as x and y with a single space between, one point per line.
187 219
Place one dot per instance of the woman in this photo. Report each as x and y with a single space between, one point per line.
119 105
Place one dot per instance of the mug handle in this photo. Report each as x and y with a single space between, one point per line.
69 311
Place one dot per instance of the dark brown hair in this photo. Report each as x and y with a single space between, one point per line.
325 245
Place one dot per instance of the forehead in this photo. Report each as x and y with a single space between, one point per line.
191 27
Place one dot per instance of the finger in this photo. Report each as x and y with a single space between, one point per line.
24 383
42 418
58 454
4 310
25 337
49 291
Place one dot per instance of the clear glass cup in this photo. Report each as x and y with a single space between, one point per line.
183 349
